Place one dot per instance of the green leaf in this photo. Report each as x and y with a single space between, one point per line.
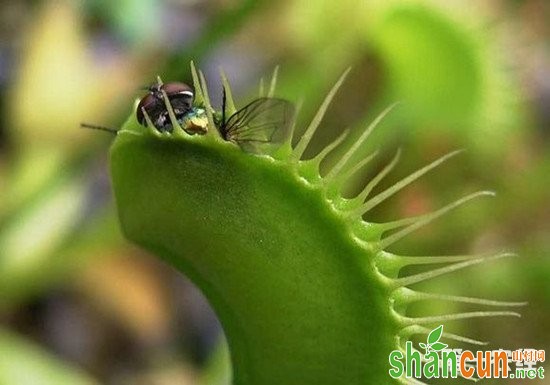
423 346
439 346
435 335
239 251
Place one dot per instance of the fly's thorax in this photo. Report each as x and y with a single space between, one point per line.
195 121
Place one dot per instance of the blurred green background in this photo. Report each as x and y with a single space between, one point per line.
79 305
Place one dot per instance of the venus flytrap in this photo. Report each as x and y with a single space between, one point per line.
304 287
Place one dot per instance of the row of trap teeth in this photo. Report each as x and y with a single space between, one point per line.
388 264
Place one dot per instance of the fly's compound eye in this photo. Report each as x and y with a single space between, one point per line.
180 96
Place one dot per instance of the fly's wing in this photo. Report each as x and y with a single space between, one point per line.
262 122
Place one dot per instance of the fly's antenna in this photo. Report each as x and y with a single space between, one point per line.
101 128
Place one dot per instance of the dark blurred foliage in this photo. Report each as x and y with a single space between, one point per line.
470 75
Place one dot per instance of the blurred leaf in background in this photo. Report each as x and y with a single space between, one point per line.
24 363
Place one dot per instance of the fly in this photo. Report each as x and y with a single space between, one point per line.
265 120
